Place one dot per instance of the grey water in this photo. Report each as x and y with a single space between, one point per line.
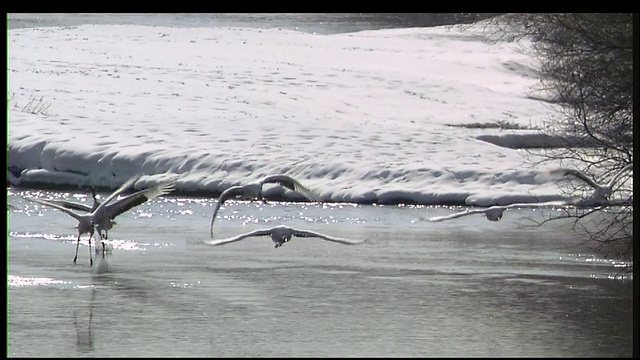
321 23
466 287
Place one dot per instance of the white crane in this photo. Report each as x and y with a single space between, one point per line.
102 217
254 191
281 234
600 197
72 205
494 213
601 192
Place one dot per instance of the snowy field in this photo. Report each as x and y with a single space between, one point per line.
387 116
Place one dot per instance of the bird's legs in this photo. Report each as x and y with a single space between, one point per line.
90 254
103 236
77 246
106 235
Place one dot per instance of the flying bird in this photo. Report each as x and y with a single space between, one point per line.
282 234
601 192
254 191
102 217
494 213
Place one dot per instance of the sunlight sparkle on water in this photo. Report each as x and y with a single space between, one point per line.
124 244
184 285
31 281
43 236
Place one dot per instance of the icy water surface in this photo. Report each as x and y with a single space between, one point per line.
467 287
322 23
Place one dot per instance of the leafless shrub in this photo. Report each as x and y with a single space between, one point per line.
37 106
586 67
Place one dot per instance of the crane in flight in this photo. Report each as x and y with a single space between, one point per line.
281 234
494 213
601 192
253 191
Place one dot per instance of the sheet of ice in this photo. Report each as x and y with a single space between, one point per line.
372 116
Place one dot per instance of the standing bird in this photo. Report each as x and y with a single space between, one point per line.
494 213
601 192
86 223
102 217
282 234
72 205
254 191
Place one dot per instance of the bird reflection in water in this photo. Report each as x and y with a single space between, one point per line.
103 251
84 333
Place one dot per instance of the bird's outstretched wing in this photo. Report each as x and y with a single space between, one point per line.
258 232
128 202
456 215
227 194
127 184
56 206
292 184
542 204
595 202
309 233
497 208
72 205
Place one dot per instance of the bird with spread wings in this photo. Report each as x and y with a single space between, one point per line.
253 191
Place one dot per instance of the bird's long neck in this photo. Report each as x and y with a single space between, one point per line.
95 199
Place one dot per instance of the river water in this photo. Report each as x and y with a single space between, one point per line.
456 288
321 23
